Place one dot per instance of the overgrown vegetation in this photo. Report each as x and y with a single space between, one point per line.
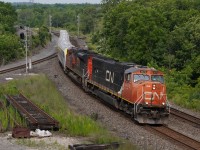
62 16
162 33
44 93
8 50
11 46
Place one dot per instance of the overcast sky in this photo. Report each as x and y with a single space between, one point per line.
56 1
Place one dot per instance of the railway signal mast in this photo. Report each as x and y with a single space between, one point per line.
27 42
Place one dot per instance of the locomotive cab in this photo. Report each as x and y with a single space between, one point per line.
145 89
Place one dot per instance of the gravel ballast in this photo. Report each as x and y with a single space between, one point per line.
85 104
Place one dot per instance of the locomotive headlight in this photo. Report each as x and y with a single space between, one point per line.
146 103
163 103
154 87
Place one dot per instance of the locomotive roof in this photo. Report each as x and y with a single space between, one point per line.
113 61
136 68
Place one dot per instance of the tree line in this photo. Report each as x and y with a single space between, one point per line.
164 34
62 16
161 33
11 46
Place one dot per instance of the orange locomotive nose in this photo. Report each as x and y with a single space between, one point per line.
155 94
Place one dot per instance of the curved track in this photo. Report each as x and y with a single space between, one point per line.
177 137
24 65
182 140
186 117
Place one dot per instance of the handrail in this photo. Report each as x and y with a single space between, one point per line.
83 79
138 101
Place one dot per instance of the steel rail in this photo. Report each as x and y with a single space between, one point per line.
21 109
24 65
186 117
36 117
176 136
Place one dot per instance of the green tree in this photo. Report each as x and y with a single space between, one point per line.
10 50
8 17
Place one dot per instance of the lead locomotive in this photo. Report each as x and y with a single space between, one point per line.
138 90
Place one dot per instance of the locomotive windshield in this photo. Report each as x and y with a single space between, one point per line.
139 77
157 78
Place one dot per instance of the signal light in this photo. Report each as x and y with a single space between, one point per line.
22 36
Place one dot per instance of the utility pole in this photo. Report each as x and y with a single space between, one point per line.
26 48
29 37
50 23
78 23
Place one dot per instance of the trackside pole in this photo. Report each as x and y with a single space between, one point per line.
30 64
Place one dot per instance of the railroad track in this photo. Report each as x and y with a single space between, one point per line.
35 117
183 140
186 117
166 132
24 65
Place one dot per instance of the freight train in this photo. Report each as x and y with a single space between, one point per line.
137 90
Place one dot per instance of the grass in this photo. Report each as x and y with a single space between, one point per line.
183 95
43 92
40 145
9 118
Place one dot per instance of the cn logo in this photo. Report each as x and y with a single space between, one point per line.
110 76
153 95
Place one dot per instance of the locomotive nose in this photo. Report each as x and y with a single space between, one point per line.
154 94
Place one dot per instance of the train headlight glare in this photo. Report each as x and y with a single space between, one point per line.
146 103
163 103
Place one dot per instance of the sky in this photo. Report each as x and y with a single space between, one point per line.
56 1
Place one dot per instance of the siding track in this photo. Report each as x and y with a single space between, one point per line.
35 117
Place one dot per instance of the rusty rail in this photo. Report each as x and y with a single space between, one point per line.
35 117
